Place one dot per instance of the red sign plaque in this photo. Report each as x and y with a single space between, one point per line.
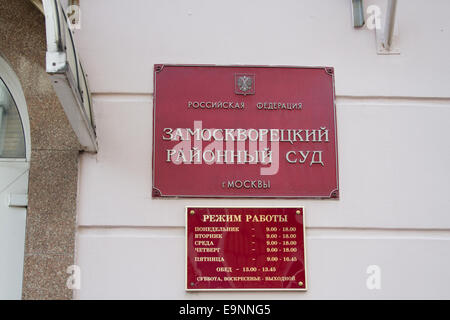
235 131
245 248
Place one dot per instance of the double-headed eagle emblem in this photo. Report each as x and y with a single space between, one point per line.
245 83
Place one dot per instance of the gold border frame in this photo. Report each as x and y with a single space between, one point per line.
248 290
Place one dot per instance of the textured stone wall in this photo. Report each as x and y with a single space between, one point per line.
51 214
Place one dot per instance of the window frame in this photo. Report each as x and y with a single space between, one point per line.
12 82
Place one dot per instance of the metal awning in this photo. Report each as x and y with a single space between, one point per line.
67 74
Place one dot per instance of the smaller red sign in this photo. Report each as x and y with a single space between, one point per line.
234 248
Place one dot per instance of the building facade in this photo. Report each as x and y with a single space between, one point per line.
386 237
37 246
